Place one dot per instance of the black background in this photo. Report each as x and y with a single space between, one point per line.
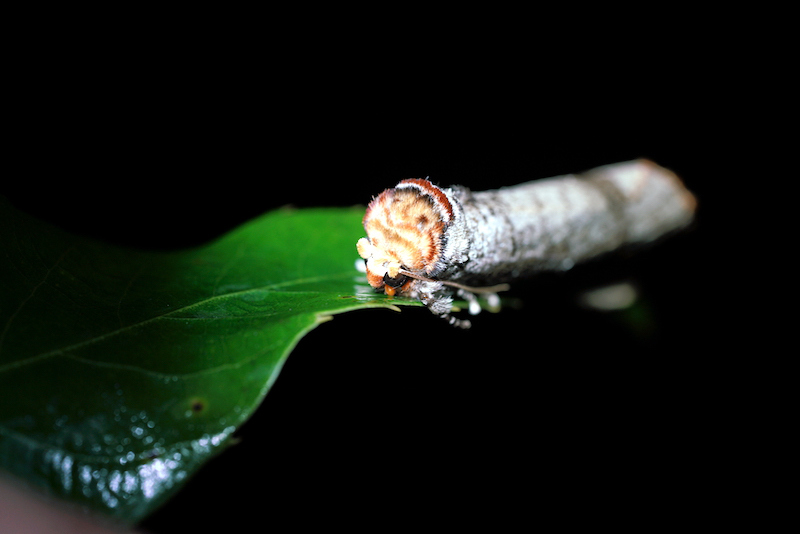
546 408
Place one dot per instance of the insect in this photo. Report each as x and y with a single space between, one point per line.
434 244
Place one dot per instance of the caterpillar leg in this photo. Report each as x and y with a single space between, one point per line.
458 323
442 305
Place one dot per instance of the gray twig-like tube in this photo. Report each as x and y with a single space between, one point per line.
430 243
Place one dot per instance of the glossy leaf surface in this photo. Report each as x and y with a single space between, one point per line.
122 371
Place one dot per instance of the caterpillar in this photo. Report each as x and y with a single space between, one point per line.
434 244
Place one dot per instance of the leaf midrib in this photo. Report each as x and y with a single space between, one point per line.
167 315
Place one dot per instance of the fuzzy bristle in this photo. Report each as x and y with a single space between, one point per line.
404 229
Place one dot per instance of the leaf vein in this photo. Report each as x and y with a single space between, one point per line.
172 314
22 304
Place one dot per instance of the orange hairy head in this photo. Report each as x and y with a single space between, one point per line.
404 228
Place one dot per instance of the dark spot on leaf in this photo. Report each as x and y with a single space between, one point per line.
197 405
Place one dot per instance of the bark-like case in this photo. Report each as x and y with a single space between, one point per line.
432 243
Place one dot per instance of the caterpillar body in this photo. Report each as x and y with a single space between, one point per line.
434 243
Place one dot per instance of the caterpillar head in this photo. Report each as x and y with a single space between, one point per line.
405 227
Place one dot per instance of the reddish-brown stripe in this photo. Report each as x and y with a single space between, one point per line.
431 190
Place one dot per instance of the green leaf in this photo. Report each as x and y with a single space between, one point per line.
122 371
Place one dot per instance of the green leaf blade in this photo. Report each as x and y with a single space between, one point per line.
122 372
